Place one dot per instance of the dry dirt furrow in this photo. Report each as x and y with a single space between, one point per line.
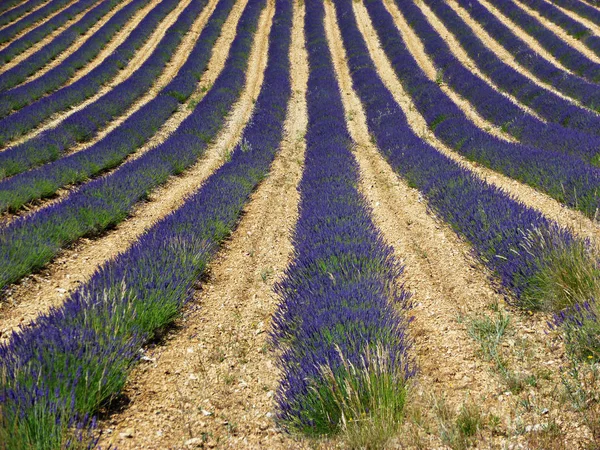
594 28
77 43
461 55
42 43
34 25
37 293
530 41
217 360
415 46
552 209
558 31
215 66
422 244
502 53
134 64
24 15
449 288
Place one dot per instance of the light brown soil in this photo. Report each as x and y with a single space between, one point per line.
134 64
462 56
32 26
214 68
78 42
595 29
37 293
24 15
531 42
503 54
42 43
215 379
449 287
558 31
415 46
552 209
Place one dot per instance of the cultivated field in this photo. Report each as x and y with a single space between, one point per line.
280 224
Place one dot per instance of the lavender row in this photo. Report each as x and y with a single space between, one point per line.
85 349
501 230
30 242
26 119
496 108
568 24
547 104
85 123
587 93
581 9
19 45
338 298
563 52
568 179
21 96
7 17
110 151
60 43
6 34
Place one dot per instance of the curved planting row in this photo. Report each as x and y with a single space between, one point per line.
21 96
568 179
111 150
16 12
59 44
547 104
581 9
31 116
85 123
21 44
6 34
343 343
30 242
563 52
588 94
517 243
495 107
84 350
573 28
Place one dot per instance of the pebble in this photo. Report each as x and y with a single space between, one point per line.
193 441
128 433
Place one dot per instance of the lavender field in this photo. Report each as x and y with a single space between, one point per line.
362 224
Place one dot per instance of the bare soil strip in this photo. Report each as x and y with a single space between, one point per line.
134 64
78 43
34 25
530 41
416 48
214 68
117 40
38 292
448 288
214 380
26 14
47 39
462 56
558 31
595 29
501 52
552 209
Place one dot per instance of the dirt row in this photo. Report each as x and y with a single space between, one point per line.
138 59
41 5
37 293
503 54
594 28
34 25
558 31
448 287
42 43
77 43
